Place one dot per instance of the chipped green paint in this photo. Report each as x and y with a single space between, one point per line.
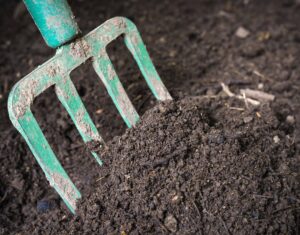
55 72
54 19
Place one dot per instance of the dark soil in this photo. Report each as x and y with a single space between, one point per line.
192 167
194 47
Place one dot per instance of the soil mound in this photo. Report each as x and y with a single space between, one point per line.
196 166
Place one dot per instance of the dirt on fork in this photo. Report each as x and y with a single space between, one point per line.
195 45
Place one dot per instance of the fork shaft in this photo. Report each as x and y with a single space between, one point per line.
55 20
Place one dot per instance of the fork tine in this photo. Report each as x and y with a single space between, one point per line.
138 50
107 74
55 173
69 97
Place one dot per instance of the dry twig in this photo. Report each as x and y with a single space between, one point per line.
244 97
258 95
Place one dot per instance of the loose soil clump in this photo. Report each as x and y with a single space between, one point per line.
194 166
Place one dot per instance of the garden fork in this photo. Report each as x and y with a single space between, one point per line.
59 29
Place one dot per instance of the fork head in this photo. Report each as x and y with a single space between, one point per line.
56 72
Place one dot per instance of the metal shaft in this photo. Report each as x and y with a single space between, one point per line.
55 20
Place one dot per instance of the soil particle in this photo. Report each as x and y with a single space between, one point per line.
252 50
247 119
241 32
290 119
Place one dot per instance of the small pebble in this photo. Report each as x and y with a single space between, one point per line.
216 138
172 53
276 139
162 40
290 119
99 111
44 205
263 36
18 183
247 119
171 223
210 92
260 86
252 50
161 108
176 198
241 32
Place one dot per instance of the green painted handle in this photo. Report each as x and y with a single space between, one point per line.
55 20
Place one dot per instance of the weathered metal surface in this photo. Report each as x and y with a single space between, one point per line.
54 19
106 72
56 72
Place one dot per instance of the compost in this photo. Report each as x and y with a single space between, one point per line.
191 167
209 164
